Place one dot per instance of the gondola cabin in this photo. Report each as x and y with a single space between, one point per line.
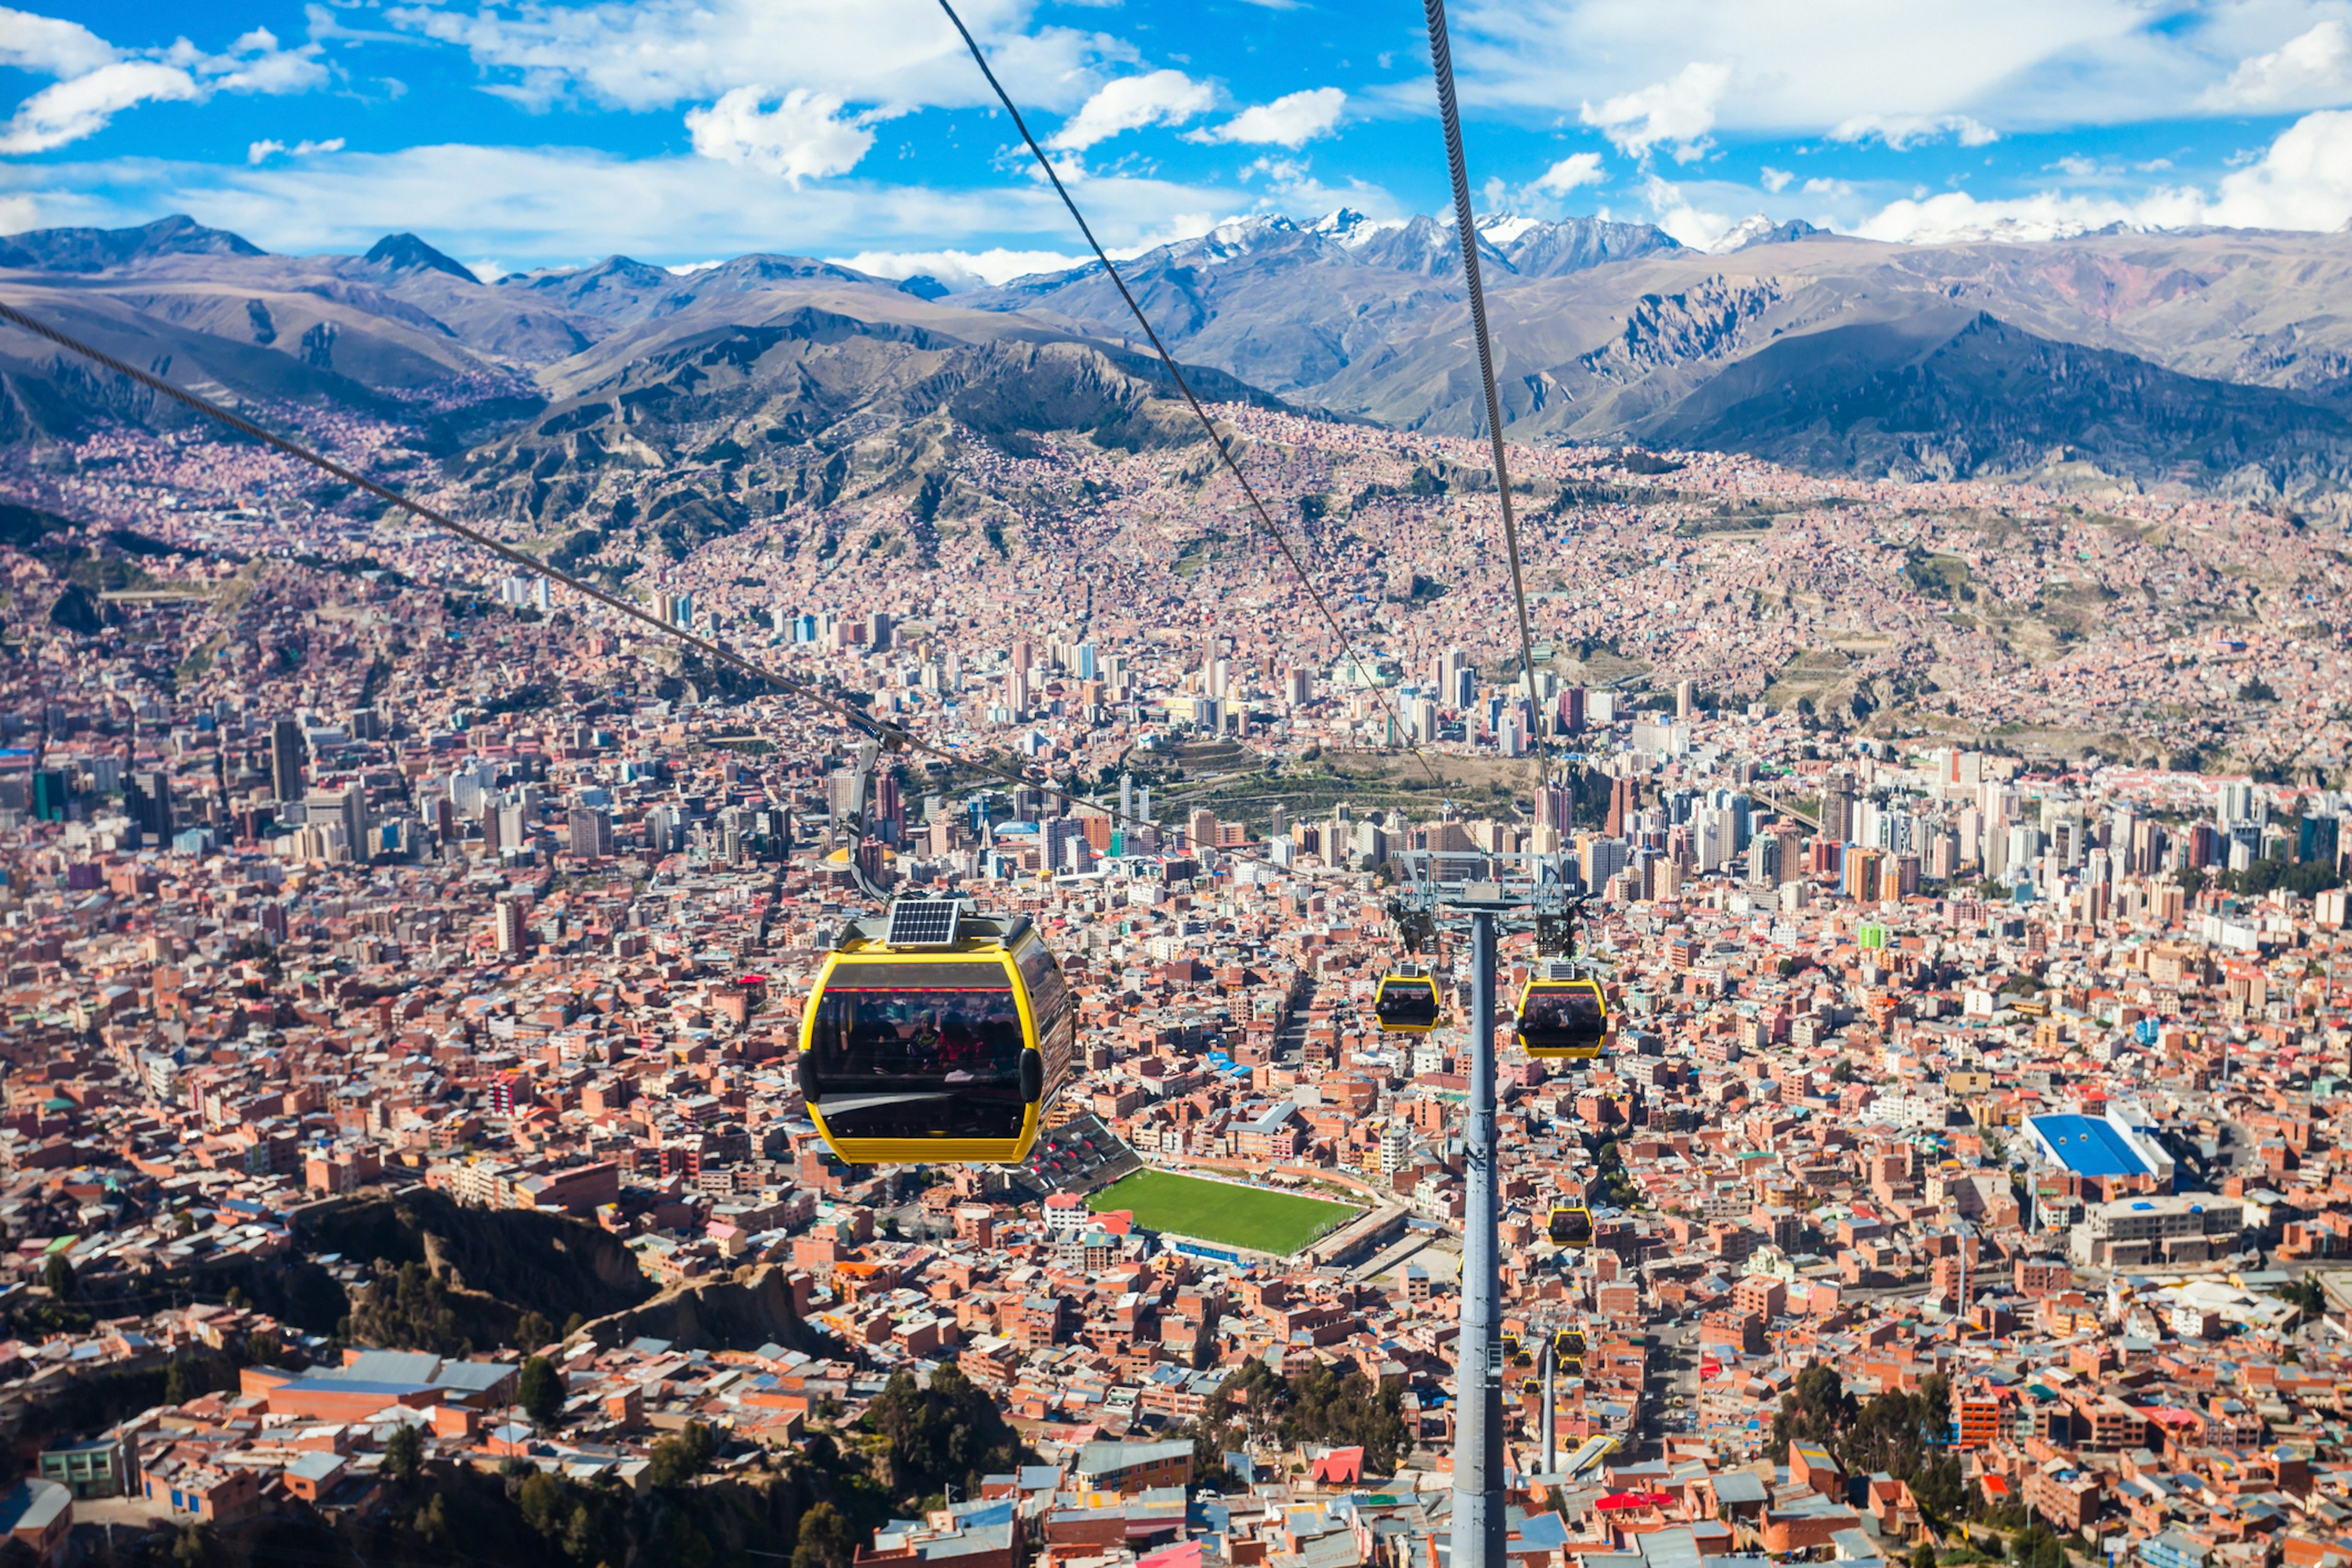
1406 1004
1572 1227
935 1034
1562 1016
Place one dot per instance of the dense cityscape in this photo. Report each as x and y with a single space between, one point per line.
404 1156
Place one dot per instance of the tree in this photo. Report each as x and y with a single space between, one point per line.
825 1540
543 1502
406 1309
263 1347
57 1275
949 1433
432 1524
403 1453
533 1331
177 1390
677 1461
539 1390
194 1546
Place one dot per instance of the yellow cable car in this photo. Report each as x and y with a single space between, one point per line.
1511 1353
1406 1004
1572 1227
1568 1350
1562 1016
940 1035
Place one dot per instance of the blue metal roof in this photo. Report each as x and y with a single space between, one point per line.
2089 1147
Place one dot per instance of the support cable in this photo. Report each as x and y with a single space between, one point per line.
1441 58
1264 518
891 736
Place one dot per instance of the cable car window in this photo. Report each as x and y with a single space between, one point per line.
1049 994
919 1050
1562 1017
1406 1002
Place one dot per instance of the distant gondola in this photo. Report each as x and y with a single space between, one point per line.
1572 1227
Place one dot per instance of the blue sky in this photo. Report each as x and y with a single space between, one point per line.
530 132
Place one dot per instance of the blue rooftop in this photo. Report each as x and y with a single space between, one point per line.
2089 1147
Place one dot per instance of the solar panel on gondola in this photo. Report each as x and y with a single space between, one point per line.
923 922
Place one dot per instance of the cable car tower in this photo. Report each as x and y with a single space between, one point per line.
1520 893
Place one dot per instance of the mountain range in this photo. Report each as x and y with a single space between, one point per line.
2217 360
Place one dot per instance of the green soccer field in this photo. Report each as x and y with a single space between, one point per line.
1223 1212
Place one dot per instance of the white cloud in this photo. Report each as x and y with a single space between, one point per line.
2310 71
1901 131
536 206
1680 110
96 81
1280 170
962 270
1777 179
269 147
81 106
1131 103
253 64
802 137
1800 66
1955 216
2304 180
1673 211
1291 121
651 53
1576 169
48 47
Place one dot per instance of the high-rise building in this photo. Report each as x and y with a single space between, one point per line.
511 935
1064 845
52 793
1624 801
147 799
286 757
347 806
1837 808
1601 858
591 832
